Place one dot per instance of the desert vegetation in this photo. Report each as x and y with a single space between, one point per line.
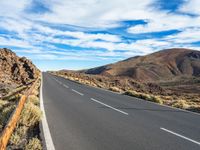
17 75
8 102
162 93
27 133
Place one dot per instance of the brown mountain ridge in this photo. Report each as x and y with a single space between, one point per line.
163 65
170 77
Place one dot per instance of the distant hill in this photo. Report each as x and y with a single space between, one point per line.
14 69
163 65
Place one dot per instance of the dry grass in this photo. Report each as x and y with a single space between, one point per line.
2 104
181 104
115 89
30 115
14 92
27 125
35 92
34 99
34 144
17 136
144 96
5 114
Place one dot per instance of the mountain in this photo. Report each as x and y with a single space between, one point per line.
16 70
159 66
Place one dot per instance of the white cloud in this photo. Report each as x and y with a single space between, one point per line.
13 8
14 42
96 15
191 7
79 35
164 22
187 36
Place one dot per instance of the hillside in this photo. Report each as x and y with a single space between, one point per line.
163 65
15 71
17 78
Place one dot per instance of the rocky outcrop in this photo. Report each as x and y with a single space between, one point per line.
16 70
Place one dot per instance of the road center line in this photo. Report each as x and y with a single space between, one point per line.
109 106
77 92
181 136
65 86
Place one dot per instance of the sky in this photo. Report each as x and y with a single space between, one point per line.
79 34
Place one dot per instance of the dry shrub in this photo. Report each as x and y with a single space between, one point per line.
30 115
14 97
5 114
180 104
15 92
34 99
148 97
156 99
3 103
17 136
34 144
35 92
115 89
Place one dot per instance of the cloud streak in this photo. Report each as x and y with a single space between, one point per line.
92 29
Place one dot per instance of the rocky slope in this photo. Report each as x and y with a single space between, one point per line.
16 70
163 65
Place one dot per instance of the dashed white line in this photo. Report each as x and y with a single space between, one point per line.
65 86
109 106
47 134
181 136
77 92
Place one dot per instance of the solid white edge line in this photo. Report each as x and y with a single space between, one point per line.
181 136
109 106
46 131
77 92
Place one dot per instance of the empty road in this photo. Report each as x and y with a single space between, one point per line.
86 118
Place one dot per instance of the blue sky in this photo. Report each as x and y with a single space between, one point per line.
81 34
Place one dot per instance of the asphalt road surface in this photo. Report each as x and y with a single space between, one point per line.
81 117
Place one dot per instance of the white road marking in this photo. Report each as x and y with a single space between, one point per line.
109 106
47 134
77 92
181 136
61 83
65 86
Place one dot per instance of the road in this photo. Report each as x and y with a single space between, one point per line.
81 117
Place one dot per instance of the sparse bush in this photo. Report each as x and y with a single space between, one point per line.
14 92
156 99
180 104
115 89
34 99
2 104
34 144
14 97
18 134
35 91
148 97
30 115
5 114
131 93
